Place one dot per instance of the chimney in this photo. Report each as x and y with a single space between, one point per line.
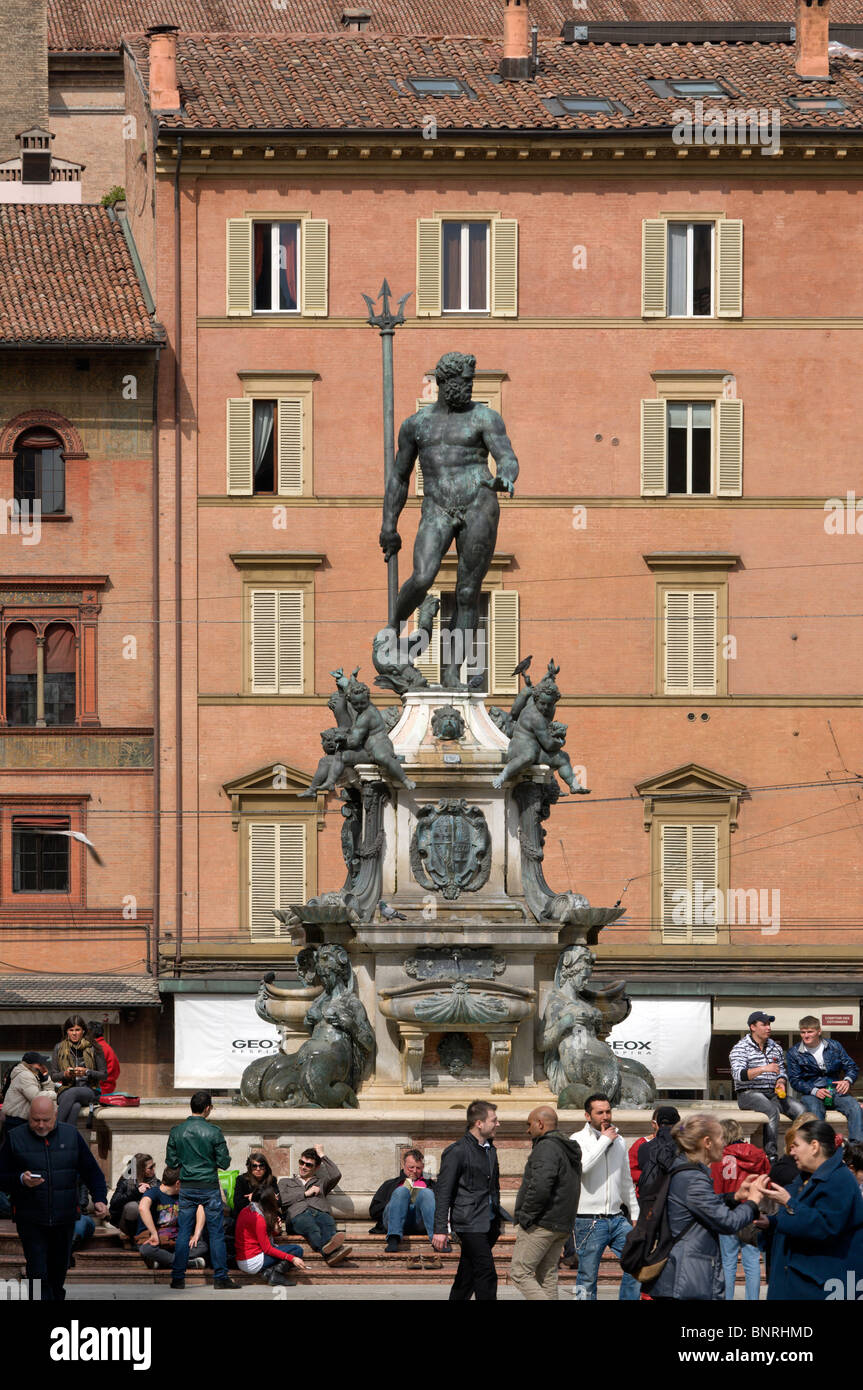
164 90
516 64
813 33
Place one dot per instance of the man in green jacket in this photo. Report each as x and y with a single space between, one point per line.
546 1206
198 1149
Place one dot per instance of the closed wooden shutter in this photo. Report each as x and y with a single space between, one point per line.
239 436
689 879
654 256
730 448
277 874
674 882
503 657
290 446
264 662
654 445
729 267
290 609
314 232
690 641
504 268
704 869
429 267
704 604
263 890
678 641
239 265
292 864
429 663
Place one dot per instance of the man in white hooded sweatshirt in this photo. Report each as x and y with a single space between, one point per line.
606 1187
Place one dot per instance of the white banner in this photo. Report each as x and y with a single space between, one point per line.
216 1037
671 1037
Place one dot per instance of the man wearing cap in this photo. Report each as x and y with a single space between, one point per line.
30 1078
760 1078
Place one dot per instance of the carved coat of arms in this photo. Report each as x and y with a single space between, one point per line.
451 848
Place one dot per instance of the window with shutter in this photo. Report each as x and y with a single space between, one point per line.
690 883
690 642
290 642
691 269
277 874
504 641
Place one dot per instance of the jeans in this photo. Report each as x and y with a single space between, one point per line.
318 1227
730 1247
270 1260
847 1106
47 1251
208 1196
400 1215
160 1257
84 1228
592 1236
770 1105
69 1102
534 1262
476 1274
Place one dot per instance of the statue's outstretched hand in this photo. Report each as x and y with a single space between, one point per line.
390 543
499 484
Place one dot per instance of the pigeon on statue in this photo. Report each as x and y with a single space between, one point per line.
389 913
523 665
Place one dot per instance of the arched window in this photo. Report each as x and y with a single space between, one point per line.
40 470
59 674
40 691
21 674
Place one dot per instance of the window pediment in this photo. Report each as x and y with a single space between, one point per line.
688 787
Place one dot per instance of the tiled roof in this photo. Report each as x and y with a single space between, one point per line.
82 25
78 992
246 82
66 275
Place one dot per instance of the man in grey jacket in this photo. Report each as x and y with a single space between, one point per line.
304 1201
546 1206
30 1078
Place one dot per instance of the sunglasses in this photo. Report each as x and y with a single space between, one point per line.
305 1163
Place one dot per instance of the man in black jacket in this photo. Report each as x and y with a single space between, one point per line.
468 1196
405 1204
546 1205
41 1164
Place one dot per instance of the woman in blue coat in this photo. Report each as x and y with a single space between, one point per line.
817 1233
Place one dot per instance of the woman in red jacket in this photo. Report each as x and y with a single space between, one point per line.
257 1226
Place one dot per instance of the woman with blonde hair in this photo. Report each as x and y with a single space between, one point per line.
697 1215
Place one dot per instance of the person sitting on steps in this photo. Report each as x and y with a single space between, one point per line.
304 1200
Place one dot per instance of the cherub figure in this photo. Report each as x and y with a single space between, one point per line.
331 766
538 737
368 740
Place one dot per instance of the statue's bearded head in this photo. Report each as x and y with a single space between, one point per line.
454 375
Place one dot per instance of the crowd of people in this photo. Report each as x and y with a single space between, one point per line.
679 1208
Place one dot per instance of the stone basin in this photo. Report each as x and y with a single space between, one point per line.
456 1003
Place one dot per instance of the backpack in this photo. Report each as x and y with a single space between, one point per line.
650 1241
